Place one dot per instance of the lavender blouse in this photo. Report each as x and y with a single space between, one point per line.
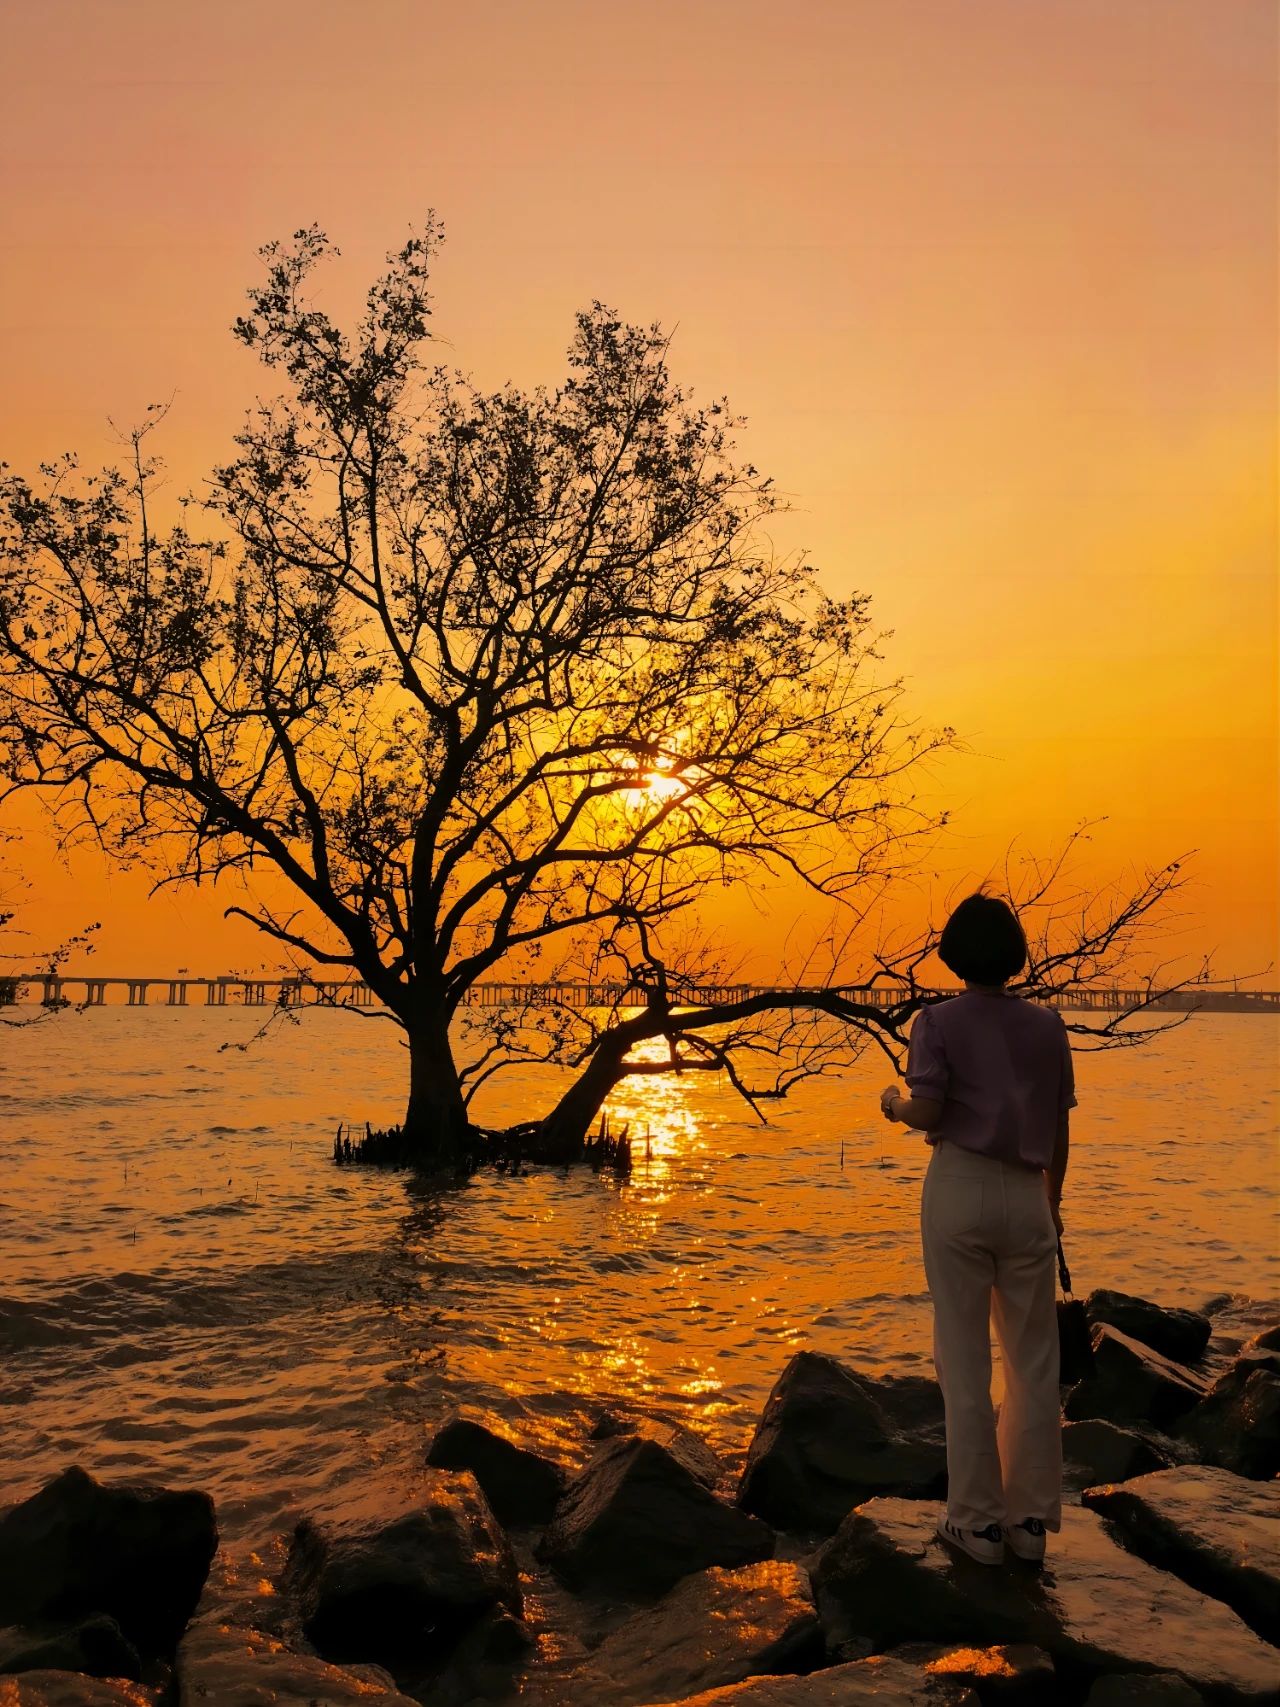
1000 1066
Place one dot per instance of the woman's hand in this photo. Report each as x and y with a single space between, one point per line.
887 1098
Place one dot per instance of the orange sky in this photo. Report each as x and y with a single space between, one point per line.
995 284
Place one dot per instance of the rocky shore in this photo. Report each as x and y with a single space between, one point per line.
812 1580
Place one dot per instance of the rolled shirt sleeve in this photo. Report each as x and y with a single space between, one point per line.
1066 1076
926 1073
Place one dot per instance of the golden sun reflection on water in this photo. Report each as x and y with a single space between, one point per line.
663 1118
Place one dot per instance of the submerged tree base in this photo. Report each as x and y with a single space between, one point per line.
507 1150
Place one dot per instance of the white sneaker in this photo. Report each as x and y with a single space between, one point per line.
984 1545
1026 1539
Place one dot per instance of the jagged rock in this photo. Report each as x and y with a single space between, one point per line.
522 1487
403 1593
635 1520
824 1444
1000 1676
1132 1383
1099 1451
96 1646
1217 1531
483 1665
137 1554
1267 1340
229 1665
1237 1424
682 1443
1180 1335
1253 1356
1094 1607
913 1403
712 1629
72 1689
880 1681
1156 1689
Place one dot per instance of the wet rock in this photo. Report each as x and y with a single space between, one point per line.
712 1629
1217 1531
1094 1607
999 1676
1132 1383
880 1681
484 1664
1180 1335
1099 1451
522 1487
232 1666
79 1547
1267 1340
1254 1356
635 1520
913 1403
682 1443
71 1689
1157 1689
1237 1424
824 1444
95 1646
403 1593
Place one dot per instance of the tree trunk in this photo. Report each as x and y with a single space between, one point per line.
436 1127
565 1129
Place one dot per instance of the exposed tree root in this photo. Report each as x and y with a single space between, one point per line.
508 1150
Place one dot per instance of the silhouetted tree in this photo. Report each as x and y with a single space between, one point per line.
469 686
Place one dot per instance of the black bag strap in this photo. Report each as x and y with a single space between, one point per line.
1064 1273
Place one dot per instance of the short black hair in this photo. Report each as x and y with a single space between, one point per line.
982 941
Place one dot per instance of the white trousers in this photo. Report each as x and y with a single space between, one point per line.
989 1255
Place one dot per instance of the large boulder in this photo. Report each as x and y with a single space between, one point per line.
1237 1424
1014 1675
1217 1531
1180 1335
72 1689
228 1665
635 1520
1099 1451
137 1554
880 1681
712 1629
682 1443
1132 1383
1095 1608
96 1646
484 1664
825 1443
522 1487
403 1593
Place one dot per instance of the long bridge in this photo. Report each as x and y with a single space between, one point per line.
294 990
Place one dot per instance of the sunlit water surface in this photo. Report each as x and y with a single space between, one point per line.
191 1291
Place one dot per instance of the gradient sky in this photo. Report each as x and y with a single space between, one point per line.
994 282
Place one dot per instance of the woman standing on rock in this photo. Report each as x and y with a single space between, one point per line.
991 1082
